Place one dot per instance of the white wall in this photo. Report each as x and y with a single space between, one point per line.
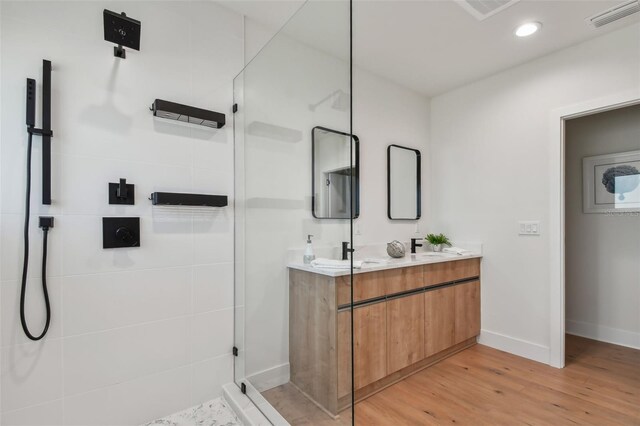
490 168
603 251
136 333
385 113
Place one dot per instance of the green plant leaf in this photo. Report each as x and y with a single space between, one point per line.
437 239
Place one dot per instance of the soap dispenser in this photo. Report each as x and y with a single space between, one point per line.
308 253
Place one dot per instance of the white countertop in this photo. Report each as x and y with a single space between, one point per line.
423 258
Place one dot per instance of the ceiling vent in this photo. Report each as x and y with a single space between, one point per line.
615 13
483 9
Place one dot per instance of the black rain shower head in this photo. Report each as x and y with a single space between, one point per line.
121 30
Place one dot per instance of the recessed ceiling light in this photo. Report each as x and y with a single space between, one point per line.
527 29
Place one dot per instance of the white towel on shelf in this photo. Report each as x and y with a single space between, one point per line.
456 250
335 264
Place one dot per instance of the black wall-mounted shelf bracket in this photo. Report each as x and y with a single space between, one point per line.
187 114
182 199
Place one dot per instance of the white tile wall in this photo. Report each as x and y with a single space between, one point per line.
132 402
208 377
212 294
136 333
202 347
48 414
31 374
101 359
113 300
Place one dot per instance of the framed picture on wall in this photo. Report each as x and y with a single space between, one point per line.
611 183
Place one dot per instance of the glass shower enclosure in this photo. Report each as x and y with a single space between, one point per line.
295 177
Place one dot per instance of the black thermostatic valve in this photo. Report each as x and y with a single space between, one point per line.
119 232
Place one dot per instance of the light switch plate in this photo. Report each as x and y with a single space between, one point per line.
529 227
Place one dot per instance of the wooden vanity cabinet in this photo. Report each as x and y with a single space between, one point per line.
405 319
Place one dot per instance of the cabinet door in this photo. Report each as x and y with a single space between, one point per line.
444 272
365 286
467 323
399 280
370 343
440 316
344 353
405 331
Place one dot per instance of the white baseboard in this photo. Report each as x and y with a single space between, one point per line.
270 378
604 334
522 348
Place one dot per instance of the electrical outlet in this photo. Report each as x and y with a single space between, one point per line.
529 227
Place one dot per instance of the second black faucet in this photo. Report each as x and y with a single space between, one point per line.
414 244
346 250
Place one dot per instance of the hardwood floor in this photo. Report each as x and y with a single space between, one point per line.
600 385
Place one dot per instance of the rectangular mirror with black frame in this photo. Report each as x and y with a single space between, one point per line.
335 174
403 183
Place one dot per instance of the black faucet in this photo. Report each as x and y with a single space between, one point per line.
346 250
414 245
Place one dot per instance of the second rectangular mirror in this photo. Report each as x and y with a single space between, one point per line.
335 163
403 183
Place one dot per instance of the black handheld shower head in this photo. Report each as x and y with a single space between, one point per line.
46 222
31 102
121 30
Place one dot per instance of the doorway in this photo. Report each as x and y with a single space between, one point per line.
600 230
557 249
602 234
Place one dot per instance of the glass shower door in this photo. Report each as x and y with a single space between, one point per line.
292 329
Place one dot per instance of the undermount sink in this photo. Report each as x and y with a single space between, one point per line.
434 254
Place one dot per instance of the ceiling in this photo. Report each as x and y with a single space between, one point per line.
433 46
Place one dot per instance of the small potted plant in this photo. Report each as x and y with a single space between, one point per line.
437 241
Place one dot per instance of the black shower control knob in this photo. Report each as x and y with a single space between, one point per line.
125 235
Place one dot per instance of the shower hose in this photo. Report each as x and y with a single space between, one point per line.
25 264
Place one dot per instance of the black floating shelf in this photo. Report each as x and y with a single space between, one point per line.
181 199
187 114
